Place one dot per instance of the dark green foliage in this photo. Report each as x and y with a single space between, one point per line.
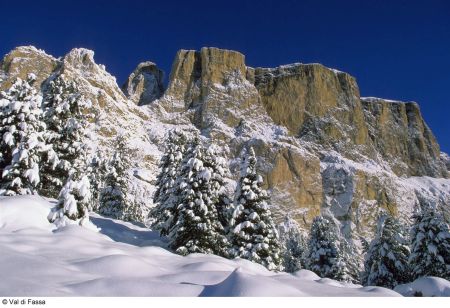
430 246
21 138
66 123
199 186
294 250
165 199
115 199
386 262
253 234
324 255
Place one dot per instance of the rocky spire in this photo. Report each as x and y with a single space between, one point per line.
145 84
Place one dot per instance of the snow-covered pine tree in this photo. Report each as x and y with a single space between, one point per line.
253 234
21 138
294 246
430 244
351 259
74 200
165 199
64 110
324 253
386 262
98 170
196 227
115 198
66 123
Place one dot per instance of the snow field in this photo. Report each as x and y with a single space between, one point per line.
124 259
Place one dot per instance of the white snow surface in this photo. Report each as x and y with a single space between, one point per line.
126 259
425 286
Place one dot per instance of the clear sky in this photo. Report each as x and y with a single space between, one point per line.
395 49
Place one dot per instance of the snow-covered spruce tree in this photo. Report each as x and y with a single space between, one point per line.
67 130
98 170
294 246
66 123
21 138
386 262
430 245
115 198
199 186
253 234
165 199
324 251
74 200
351 259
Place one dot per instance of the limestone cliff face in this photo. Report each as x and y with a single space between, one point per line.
314 103
403 138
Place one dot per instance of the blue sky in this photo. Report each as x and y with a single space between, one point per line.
395 49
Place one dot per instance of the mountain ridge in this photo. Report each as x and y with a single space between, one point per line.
321 147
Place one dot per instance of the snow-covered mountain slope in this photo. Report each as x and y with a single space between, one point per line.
125 259
321 148
110 114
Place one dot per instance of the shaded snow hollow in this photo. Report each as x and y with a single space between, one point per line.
125 259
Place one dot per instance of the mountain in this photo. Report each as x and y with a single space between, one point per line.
320 146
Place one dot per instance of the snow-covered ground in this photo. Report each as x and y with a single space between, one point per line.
125 259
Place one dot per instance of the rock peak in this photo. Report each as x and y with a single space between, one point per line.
145 84
80 58
209 65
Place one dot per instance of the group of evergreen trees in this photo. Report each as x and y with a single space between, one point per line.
396 257
43 149
393 256
195 212
325 251
41 144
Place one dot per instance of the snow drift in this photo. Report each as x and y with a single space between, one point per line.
126 259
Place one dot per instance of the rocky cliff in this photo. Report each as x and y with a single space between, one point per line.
321 147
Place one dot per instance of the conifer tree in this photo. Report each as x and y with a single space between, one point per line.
196 227
351 259
294 246
386 262
116 199
98 170
165 199
21 138
430 246
74 199
63 113
324 253
253 234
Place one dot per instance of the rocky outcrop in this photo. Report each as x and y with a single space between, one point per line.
25 60
145 84
314 102
402 137
211 84
445 158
